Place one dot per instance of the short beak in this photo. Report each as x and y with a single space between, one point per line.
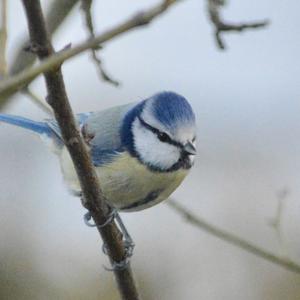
189 148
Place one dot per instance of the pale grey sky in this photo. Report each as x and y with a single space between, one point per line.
247 105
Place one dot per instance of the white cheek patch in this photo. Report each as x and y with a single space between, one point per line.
151 150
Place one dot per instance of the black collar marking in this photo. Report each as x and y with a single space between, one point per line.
149 198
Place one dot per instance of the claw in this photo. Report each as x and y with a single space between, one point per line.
87 218
128 241
118 265
128 244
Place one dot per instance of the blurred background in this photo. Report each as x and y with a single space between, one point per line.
247 104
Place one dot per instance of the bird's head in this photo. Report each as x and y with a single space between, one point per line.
161 132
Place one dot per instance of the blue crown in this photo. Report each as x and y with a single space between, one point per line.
172 110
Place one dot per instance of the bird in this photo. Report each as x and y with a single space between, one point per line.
141 151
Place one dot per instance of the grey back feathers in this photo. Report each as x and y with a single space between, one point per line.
104 127
100 129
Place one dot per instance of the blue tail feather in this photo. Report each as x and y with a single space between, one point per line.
38 127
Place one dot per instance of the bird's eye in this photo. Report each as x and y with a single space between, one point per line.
162 136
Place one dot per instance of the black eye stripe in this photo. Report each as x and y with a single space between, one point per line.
149 127
165 139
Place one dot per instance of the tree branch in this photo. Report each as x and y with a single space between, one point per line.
15 83
3 39
94 199
56 15
233 239
87 9
214 7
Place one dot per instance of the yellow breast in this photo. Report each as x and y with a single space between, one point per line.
126 183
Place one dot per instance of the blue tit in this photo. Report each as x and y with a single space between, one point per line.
142 151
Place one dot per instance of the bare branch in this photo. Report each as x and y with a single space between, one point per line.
221 26
25 59
54 19
276 221
233 239
94 199
86 7
15 83
3 39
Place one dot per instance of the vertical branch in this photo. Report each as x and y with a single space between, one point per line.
276 221
25 59
87 9
54 20
94 199
3 39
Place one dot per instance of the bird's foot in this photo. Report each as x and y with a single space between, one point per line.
128 245
127 240
87 218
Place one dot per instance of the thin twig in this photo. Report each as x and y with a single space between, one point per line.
37 101
276 221
94 199
3 40
87 8
214 7
14 83
233 239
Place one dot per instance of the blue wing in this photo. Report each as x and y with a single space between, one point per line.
101 131
38 127
52 124
104 130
